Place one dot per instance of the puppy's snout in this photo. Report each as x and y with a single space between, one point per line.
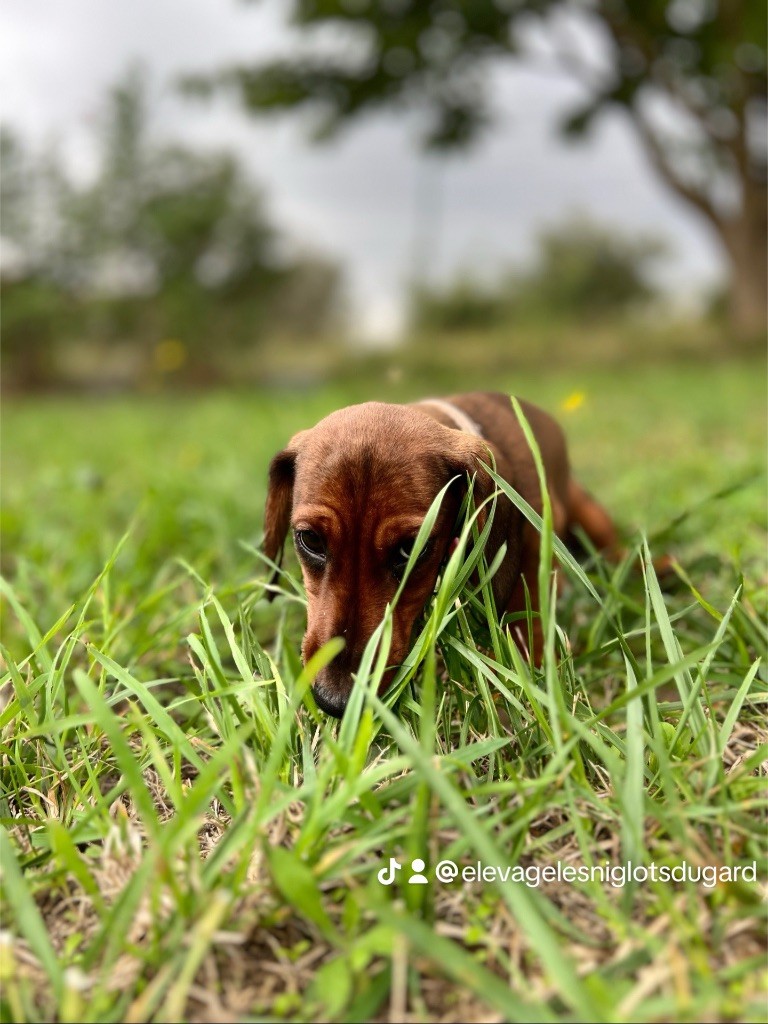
332 688
333 684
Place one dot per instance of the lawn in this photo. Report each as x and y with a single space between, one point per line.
185 838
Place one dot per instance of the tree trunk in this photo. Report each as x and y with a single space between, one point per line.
746 240
744 235
748 292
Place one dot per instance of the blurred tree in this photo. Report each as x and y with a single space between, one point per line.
35 313
167 248
14 192
34 307
463 305
701 61
589 270
581 270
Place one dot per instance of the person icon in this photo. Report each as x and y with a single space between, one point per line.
417 878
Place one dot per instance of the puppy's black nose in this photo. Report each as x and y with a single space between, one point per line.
331 701
332 688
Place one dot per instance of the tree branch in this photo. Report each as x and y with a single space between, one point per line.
662 165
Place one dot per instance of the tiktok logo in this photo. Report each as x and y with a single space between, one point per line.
388 874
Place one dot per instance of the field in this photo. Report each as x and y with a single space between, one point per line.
186 838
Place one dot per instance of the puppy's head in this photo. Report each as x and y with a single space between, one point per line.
355 490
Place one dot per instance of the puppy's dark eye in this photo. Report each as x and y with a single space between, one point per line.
402 553
310 544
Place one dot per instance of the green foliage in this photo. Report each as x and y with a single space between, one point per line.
463 305
708 56
587 270
183 838
582 271
35 314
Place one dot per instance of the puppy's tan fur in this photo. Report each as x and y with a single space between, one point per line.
362 481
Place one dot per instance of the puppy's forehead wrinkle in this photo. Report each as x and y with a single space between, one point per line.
373 427
363 470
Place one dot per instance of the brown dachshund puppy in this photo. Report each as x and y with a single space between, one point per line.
355 489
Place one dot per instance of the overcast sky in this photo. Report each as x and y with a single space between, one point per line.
361 199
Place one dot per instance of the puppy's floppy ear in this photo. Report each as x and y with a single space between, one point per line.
469 455
277 513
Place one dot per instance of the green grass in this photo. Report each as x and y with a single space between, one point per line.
185 838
